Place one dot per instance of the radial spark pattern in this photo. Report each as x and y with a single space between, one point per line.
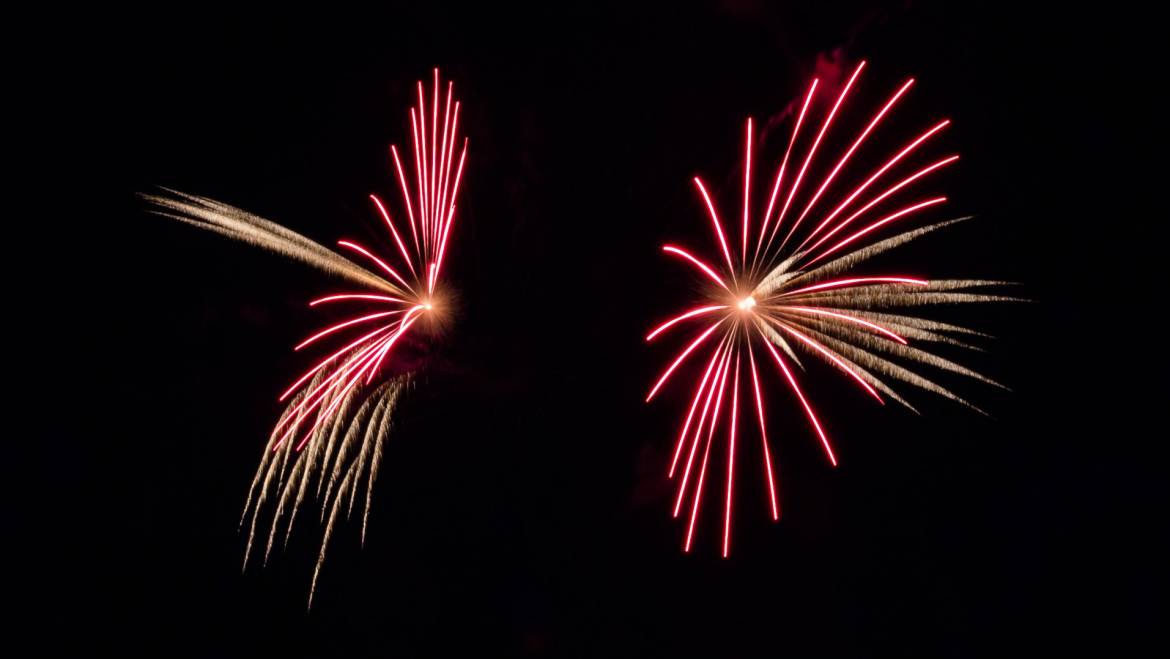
782 284
328 443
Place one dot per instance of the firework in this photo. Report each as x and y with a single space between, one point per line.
328 442
786 287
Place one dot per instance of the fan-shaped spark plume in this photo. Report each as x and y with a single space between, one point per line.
338 418
781 296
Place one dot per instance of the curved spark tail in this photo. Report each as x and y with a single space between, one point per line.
241 225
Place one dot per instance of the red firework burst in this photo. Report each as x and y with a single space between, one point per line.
341 421
437 185
780 289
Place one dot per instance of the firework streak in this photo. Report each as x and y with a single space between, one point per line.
329 440
781 284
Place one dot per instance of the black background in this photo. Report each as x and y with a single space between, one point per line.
522 509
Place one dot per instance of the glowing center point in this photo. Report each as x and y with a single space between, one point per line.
747 303
428 306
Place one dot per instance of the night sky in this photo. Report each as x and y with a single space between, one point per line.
522 508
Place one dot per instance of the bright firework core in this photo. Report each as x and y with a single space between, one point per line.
434 311
747 303
435 303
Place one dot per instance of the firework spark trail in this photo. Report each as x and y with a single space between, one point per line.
780 175
711 388
235 223
341 414
319 455
694 405
801 292
763 435
374 430
376 461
